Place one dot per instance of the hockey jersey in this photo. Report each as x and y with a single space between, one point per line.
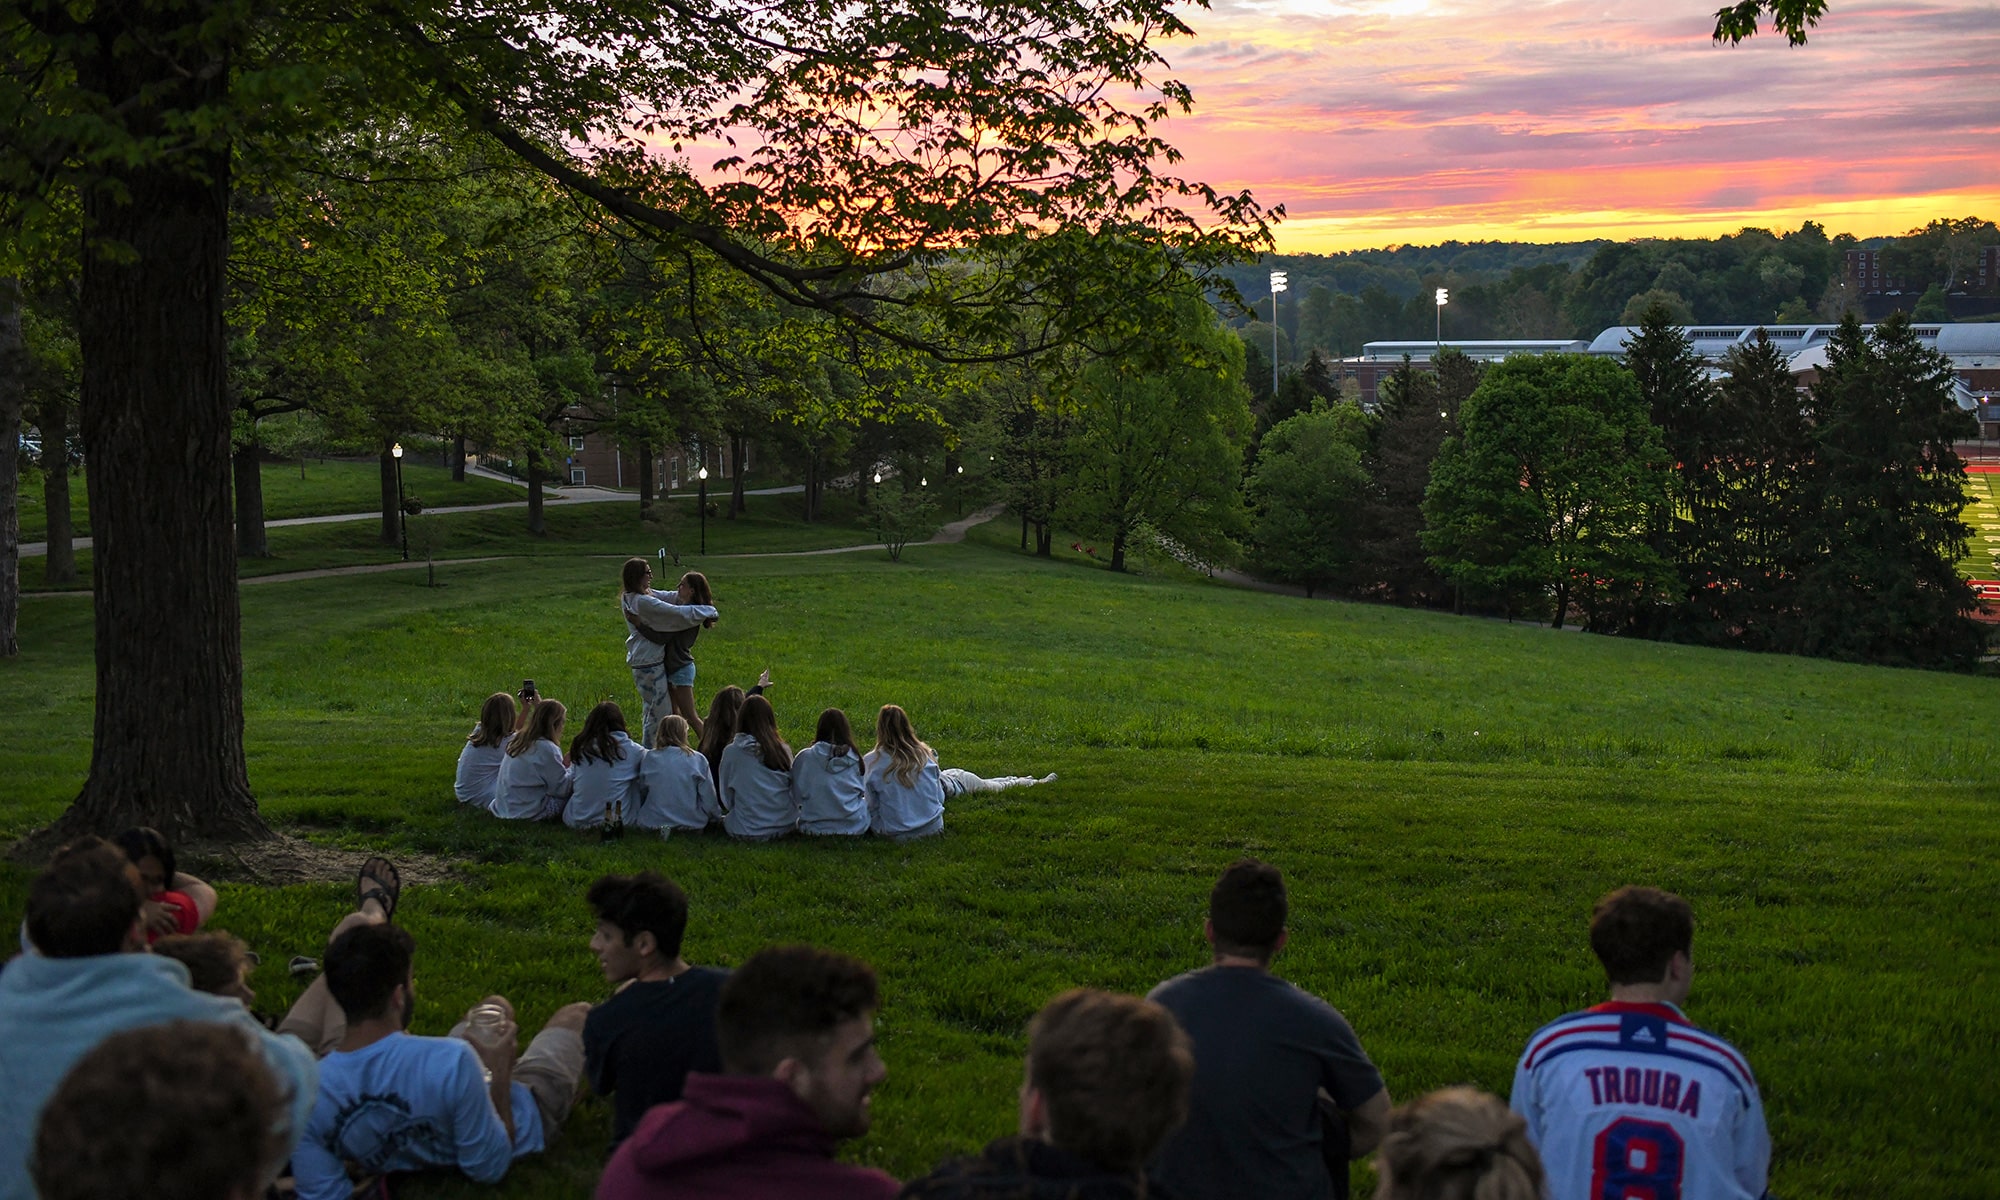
1632 1102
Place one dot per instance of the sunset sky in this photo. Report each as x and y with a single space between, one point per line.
1377 122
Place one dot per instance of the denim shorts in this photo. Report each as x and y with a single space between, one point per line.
683 677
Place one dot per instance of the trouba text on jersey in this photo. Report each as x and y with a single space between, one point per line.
1627 1086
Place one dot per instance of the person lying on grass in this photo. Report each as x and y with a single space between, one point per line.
315 1018
176 902
676 789
659 1024
534 780
390 1101
604 767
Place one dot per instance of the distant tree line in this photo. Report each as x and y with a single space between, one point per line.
1643 498
1338 302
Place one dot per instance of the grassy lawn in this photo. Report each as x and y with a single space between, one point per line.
769 523
329 486
1447 797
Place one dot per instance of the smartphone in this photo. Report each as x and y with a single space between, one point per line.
528 690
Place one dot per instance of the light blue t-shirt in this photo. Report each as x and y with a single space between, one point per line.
53 1011
409 1104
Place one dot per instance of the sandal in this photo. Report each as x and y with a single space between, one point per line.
380 881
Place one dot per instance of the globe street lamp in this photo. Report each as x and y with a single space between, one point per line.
402 505
1278 284
701 477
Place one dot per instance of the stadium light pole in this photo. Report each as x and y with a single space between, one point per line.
1278 284
701 502
402 505
1438 343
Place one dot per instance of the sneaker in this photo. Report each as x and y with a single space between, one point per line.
303 966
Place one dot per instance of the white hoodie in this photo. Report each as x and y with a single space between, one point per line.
896 808
529 781
678 791
832 799
597 783
757 802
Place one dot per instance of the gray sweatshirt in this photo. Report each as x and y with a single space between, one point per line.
757 802
832 799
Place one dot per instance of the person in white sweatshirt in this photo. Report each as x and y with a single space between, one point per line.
676 787
755 783
826 777
534 780
479 762
660 631
604 767
907 791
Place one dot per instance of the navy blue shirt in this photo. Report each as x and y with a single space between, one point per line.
1263 1049
639 1046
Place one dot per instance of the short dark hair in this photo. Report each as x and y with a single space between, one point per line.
1247 909
1115 1072
182 1111
648 902
785 1002
365 966
85 903
1636 931
140 841
215 961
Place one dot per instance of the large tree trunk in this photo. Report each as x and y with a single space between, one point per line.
167 746
645 453
736 503
13 396
1118 551
249 468
458 458
1562 604
392 502
59 564
1045 540
536 524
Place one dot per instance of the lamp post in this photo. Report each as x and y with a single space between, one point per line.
1438 344
1278 284
701 478
402 505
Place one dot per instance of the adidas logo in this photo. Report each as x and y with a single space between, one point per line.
1644 1035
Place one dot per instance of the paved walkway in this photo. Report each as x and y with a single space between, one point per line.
551 495
951 533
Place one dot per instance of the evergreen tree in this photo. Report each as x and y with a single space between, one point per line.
1673 385
1886 492
1750 506
1419 409
1307 493
1547 494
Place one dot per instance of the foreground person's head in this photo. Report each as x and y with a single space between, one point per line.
1457 1144
1645 939
217 963
182 1111
86 902
1107 1077
640 921
805 1017
368 971
1247 911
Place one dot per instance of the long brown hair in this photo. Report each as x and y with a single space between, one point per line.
633 575
595 739
836 732
496 721
697 585
1458 1144
897 738
721 724
760 721
544 724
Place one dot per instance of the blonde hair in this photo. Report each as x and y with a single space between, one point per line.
896 738
544 724
673 731
496 721
1458 1144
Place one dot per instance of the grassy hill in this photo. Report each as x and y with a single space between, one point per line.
1446 795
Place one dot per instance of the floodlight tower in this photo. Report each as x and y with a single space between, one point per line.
1277 285
1443 297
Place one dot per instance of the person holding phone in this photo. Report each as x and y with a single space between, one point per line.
661 628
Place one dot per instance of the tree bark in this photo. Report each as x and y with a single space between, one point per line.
392 504
13 397
645 454
1024 529
812 486
248 465
1562 605
536 524
167 745
736 449
458 458
1118 551
59 564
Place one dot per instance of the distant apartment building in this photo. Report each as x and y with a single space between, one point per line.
1378 360
591 459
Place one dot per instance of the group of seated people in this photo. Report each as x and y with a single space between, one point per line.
742 776
126 1078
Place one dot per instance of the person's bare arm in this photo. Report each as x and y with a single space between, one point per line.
1366 1124
197 891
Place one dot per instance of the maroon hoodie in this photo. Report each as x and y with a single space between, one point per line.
736 1137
